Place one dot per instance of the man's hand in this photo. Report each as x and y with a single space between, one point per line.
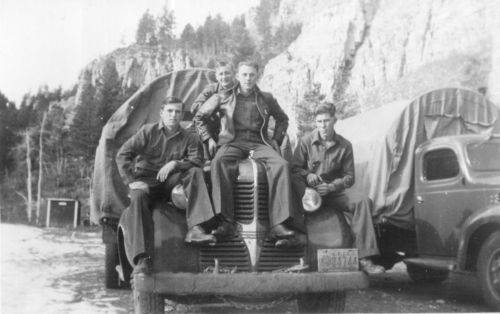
324 188
212 147
313 179
166 170
139 185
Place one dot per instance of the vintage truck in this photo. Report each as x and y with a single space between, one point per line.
457 211
247 270
431 165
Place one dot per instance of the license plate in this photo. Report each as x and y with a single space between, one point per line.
334 260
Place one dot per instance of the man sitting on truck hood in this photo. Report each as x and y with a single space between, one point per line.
324 161
166 155
244 116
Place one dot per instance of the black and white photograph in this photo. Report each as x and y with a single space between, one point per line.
249 156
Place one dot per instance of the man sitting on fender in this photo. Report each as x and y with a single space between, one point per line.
324 161
244 118
166 156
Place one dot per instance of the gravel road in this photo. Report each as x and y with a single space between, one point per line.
61 270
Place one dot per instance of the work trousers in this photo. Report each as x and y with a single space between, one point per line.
199 208
357 211
224 169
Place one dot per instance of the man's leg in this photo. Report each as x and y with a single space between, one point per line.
140 221
357 211
281 205
199 209
223 174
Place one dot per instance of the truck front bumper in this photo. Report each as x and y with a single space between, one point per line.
248 283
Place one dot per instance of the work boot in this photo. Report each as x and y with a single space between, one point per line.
298 241
226 229
368 267
196 235
143 266
281 232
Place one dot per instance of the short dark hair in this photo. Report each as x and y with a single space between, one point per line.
172 100
222 63
249 63
325 108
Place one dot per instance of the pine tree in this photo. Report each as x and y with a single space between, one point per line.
188 38
241 44
166 24
86 127
145 33
107 92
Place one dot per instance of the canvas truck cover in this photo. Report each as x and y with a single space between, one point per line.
384 141
108 192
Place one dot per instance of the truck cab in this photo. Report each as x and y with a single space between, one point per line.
457 211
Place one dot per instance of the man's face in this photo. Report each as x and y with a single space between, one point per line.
171 115
225 75
324 124
247 76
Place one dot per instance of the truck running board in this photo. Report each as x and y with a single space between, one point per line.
443 263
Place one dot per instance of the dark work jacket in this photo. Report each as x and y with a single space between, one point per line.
224 106
153 149
334 163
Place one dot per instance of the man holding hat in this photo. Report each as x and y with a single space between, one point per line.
323 160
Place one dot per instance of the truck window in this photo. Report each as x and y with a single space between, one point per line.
440 164
484 156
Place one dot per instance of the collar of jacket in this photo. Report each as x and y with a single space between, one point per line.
316 139
164 129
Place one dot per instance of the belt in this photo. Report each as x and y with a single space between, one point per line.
247 134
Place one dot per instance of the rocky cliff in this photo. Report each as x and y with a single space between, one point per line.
366 53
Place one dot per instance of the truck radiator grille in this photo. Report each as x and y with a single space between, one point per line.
272 258
230 253
244 202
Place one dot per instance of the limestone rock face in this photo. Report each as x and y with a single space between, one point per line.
137 65
366 53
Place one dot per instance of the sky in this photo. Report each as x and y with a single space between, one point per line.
50 41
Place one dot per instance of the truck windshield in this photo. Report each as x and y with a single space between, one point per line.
484 156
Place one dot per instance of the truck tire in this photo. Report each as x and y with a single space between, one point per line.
327 302
422 274
111 278
148 303
488 270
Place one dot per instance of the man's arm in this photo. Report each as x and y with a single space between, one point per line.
347 176
126 154
281 120
207 92
203 115
299 160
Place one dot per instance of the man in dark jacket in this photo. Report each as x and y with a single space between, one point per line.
244 117
224 73
324 161
165 155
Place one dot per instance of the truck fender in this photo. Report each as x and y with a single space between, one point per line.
473 231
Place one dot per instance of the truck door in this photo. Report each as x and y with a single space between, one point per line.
438 210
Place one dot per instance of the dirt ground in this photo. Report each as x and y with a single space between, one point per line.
61 271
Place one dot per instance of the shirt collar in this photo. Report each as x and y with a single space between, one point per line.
238 89
164 129
221 88
316 139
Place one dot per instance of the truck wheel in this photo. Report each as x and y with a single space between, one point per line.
422 274
327 302
148 303
488 270
111 279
